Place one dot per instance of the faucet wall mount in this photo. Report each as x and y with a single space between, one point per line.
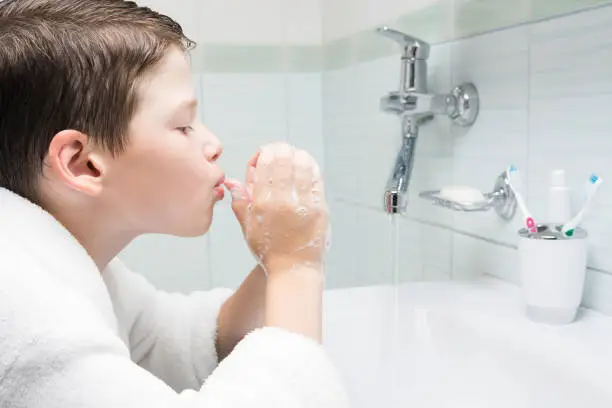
461 105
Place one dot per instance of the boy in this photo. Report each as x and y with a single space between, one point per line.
99 144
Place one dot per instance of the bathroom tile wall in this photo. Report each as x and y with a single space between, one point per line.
312 73
556 98
540 67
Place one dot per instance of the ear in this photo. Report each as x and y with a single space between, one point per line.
73 162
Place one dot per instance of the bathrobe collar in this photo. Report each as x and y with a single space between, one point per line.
55 249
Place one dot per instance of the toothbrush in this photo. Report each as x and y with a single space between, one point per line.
514 181
592 187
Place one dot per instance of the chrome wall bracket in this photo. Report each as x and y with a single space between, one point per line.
501 199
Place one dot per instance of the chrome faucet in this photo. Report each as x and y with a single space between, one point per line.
416 107
396 193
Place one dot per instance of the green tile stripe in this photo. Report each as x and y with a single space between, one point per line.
256 59
442 21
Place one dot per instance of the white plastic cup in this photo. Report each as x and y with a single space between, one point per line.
552 273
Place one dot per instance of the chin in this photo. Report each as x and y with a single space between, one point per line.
193 221
192 231
196 228
186 228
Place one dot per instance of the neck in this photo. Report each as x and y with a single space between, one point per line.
100 235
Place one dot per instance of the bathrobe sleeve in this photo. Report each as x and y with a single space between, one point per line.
171 335
270 368
59 352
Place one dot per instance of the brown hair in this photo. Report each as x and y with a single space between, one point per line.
72 64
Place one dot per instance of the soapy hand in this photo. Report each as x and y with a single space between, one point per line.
282 209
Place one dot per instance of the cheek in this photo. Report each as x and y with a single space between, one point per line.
166 169
187 179
178 162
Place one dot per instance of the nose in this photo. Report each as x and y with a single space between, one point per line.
212 147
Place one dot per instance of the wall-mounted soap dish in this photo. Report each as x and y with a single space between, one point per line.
502 199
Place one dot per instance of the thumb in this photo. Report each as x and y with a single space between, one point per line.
240 200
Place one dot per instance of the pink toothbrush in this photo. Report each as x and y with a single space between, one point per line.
514 180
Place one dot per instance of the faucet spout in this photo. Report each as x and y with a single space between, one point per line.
396 194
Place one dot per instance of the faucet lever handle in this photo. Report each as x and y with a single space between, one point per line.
413 47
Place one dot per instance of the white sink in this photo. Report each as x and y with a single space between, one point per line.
434 345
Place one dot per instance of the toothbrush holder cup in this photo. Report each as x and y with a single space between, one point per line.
552 271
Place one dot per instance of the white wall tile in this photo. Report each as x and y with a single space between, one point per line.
361 247
340 268
241 22
473 257
246 111
424 251
302 22
170 263
230 258
598 291
340 124
374 136
344 17
571 95
391 9
304 114
498 65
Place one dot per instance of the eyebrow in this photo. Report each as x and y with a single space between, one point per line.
188 104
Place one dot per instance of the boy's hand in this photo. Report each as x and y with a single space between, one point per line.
282 208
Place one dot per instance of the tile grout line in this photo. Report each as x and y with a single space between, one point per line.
454 230
452 80
528 114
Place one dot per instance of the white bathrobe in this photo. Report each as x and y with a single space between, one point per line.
71 337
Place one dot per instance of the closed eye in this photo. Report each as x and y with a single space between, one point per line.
185 129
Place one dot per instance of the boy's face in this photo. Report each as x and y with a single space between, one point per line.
167 181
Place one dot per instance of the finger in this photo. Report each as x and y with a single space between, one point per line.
250 174
283 172
240 200
304 176
318 187
237 190
263 172
253 160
